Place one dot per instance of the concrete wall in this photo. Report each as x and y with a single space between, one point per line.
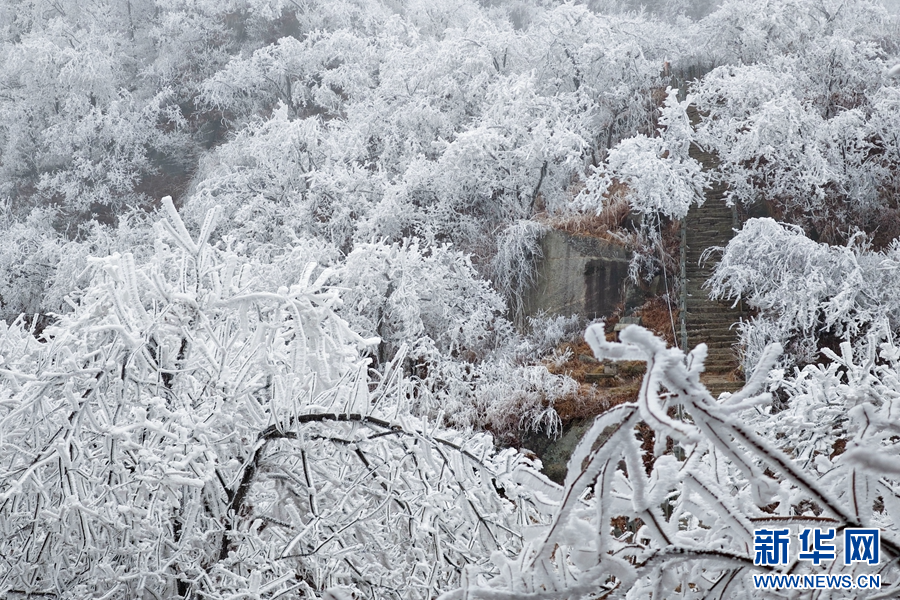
579 275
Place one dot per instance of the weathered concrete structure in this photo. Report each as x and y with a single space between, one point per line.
579 275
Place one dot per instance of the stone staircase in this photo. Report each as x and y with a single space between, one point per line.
704 320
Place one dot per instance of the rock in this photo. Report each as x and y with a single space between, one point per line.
555 454
625 322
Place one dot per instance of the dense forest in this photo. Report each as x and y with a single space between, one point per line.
263 275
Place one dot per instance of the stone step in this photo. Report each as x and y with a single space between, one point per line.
700 247
718 364
720 232
723 336
723 220
697 290
714 327
720 355
699 305
715 356
700 258
696 317
722 370
711 208
702 305
707 230
700 244
713 319
715 218
723 353
698 261
717 235
723 223
721 339
710 322
698 311
699 296
718 388
714 314
717 359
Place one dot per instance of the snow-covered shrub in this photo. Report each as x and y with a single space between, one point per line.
133 233
805 131
187 430
853 448
659 174
757 31
29 253
513 267
543 335
496 395
427 297
261 179
659 180
475 370
804 289
757 332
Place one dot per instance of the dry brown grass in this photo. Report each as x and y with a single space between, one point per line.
655 316
608 225
591 400
576 367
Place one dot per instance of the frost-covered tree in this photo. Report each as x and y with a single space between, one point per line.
659 175
453 135
28 259
187 431
796 113
76 130
806 291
